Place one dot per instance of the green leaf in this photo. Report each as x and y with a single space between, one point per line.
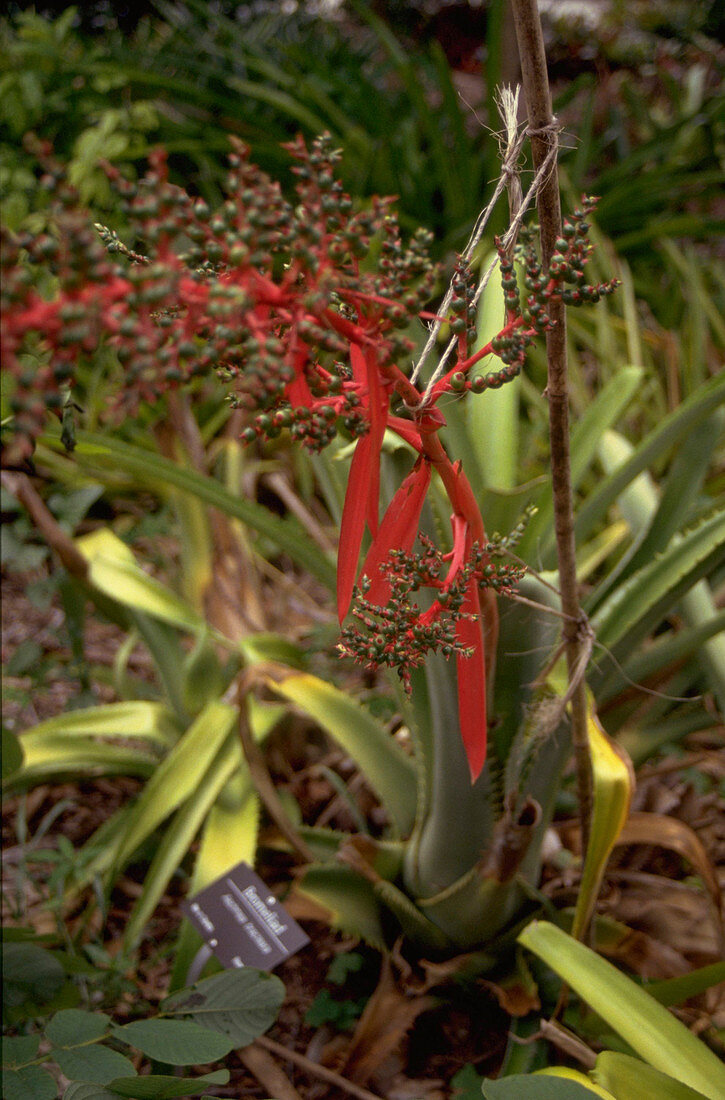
72 1026
229 836
176 778
353 904
588 430
154 471
159 1087
612 787
344 965
342 1014
149 721
52 755
654 518
642 601
30 1083
12 753
667 649
177 1042
94 1063
467 1084
29 974
493 418
179 835
654 447
535 1087
113 570
241 1004
673 991
651 1031
390 772
19 1049
86 1090
627 1077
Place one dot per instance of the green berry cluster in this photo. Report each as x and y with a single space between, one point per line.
399 634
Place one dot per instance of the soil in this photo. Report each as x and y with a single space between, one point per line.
648 887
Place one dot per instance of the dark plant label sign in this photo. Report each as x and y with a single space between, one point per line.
243 923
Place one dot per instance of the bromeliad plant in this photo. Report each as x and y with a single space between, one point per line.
277 301
306 312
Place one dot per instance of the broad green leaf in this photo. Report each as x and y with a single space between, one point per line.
230 832
176 778
627 1077
390 772
229 836
19 1049
177 1042
350 900
156 1086
113 570
155 471
641 602
54 755
85 1090
30 973
612 788
650 1030
29 1083
12 753
569 1074
149 721
536 1087
72 1026
654 447
241 1004
179 835
493 417
94 1063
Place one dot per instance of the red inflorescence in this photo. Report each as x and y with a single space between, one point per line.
301 310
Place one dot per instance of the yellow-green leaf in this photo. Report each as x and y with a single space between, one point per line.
390 772
570 1074
178 775
135 719
612 787
649 1029
626 1077
113 570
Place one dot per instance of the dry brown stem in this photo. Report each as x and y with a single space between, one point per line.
543 132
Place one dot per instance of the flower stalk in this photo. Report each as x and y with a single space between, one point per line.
543 132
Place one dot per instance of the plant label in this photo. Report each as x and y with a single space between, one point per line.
243 923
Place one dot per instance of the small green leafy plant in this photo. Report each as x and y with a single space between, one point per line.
194 1026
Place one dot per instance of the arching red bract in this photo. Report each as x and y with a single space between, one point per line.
363 487
397 530
353 522
472 683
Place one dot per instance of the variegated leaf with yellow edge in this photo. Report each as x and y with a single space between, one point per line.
613 784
